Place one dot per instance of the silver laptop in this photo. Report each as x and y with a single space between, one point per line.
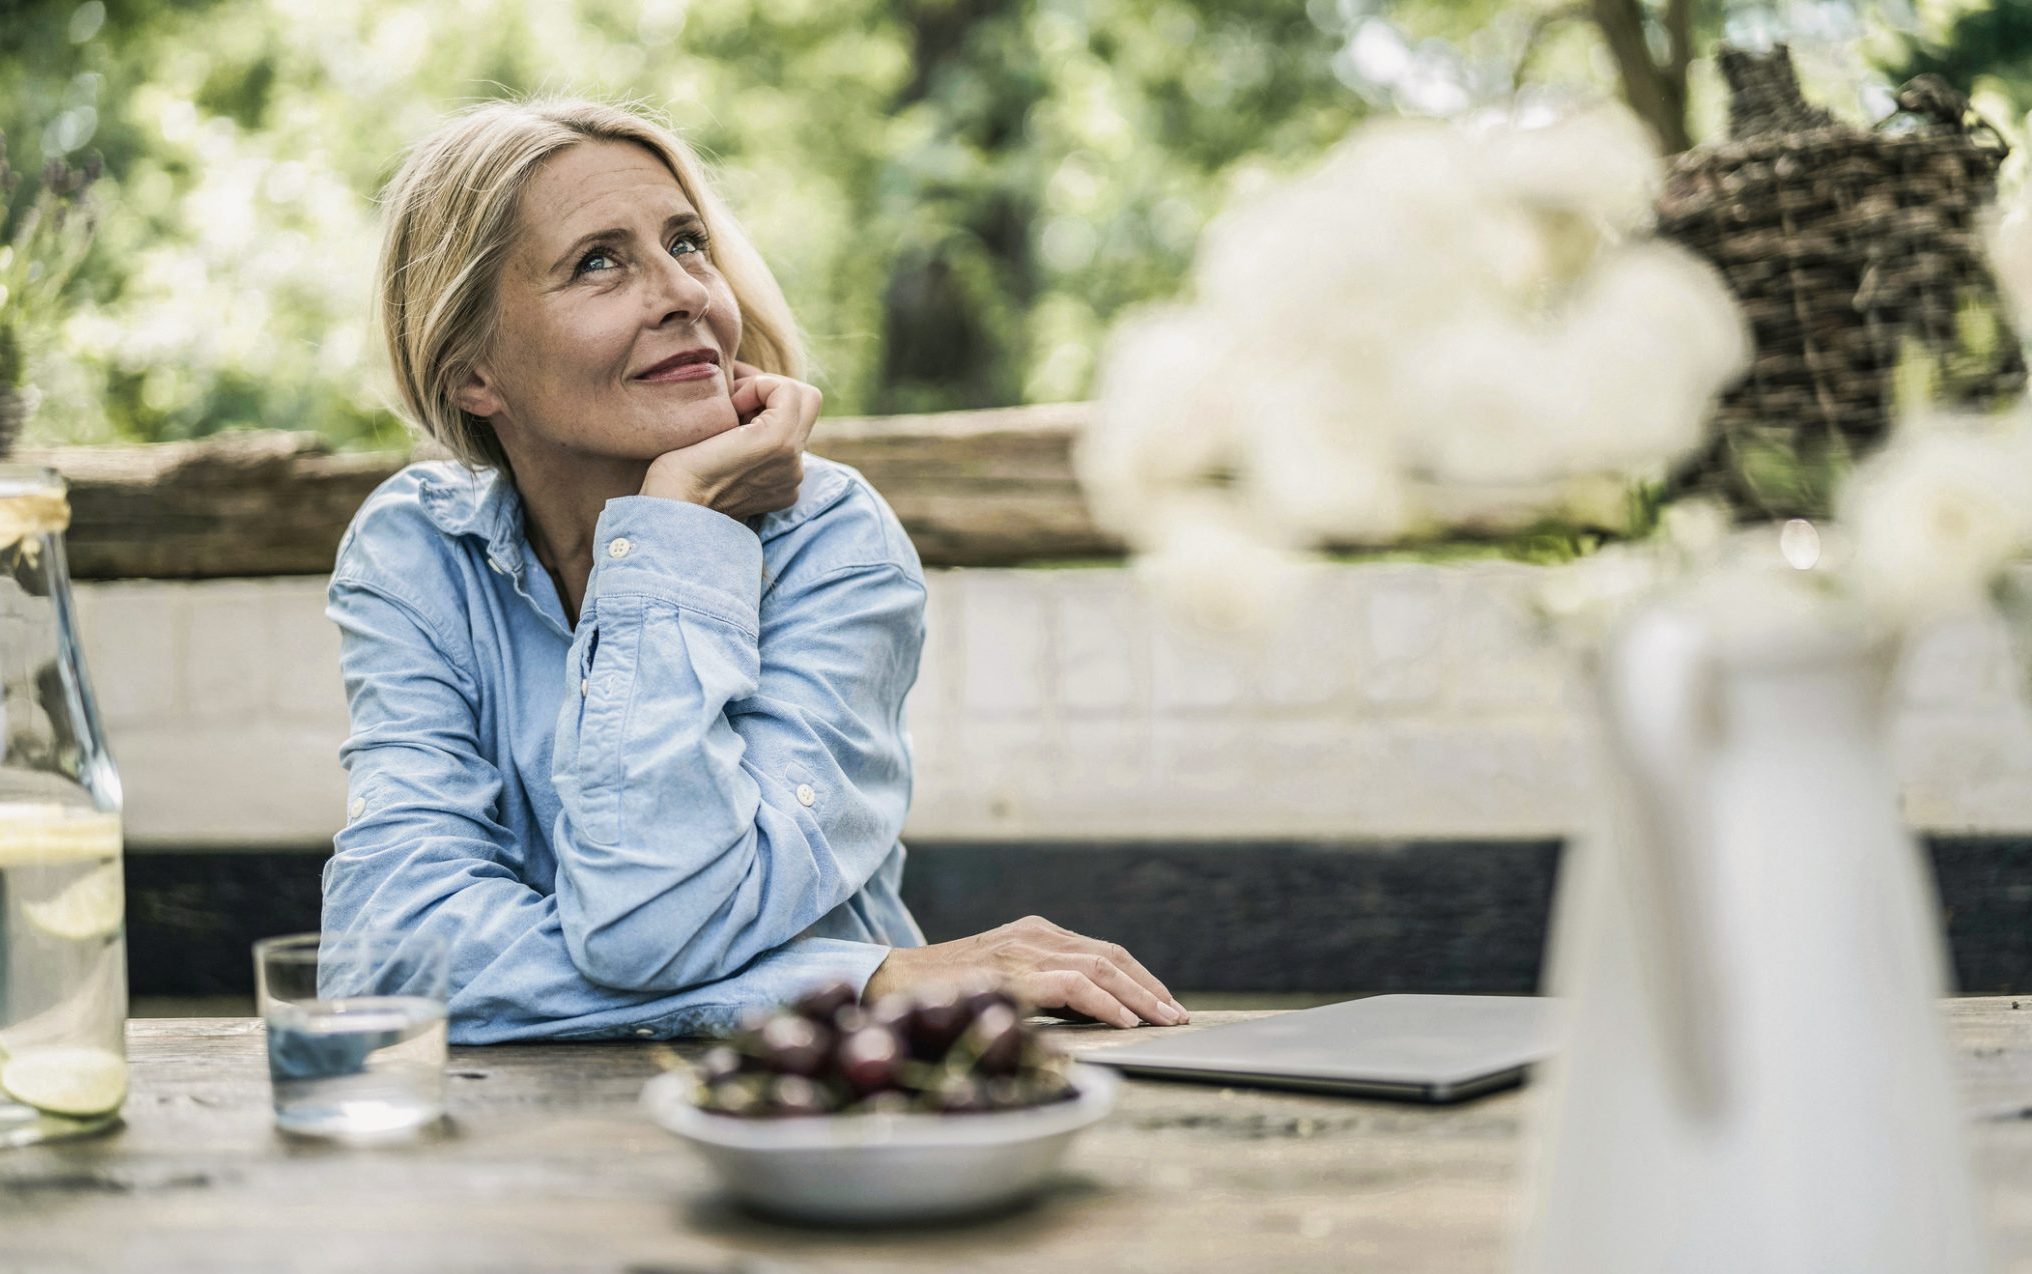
1432 1048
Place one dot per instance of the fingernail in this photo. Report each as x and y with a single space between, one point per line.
1183 1016
1168 1014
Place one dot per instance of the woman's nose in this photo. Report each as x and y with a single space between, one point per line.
681 295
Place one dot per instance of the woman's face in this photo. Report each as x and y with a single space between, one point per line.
609 279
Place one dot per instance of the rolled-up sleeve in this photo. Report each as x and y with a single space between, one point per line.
729 770
422 851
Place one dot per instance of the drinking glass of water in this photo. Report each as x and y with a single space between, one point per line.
356 1031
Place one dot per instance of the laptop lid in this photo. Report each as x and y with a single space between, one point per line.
1434 1048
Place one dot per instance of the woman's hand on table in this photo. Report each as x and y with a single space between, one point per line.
1049 968
757 466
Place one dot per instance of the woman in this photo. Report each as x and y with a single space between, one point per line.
627 685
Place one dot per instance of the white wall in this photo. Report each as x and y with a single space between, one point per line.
1405 701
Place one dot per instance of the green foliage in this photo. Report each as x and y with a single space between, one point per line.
45 230
1985 45
959 196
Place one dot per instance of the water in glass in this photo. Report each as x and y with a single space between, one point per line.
357 1067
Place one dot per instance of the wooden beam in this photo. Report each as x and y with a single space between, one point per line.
977 488
974 488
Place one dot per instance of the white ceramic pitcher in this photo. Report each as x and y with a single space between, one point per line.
1756 1078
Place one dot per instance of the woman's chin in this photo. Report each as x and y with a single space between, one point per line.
701 421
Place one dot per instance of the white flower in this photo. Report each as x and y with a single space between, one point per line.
1430 326
1217 569
1937 515
1652 339
1173 398
1322 468
1602 162
2010 244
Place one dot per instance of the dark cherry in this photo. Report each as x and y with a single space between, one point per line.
961 1094
795 1046
981 1001
870 1060
936 1023
740 1095
996 1040
720 1062
893 1012
948 1051
821 1003
796 1095
1005 1093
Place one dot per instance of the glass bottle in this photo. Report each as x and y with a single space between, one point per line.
63 949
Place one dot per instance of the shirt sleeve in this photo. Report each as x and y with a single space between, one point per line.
728 772
422 853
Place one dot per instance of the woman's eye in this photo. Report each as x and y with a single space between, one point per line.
586 263
689 242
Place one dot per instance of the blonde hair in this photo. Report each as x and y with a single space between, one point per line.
451 215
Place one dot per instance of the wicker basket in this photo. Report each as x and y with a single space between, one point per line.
1845 247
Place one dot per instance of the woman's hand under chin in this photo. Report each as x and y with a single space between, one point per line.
757 466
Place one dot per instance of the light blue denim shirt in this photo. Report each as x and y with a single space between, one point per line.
686 807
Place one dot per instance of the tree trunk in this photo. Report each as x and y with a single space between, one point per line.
1657 93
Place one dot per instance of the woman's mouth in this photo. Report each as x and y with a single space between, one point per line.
692 364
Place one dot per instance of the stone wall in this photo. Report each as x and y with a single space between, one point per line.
1405 701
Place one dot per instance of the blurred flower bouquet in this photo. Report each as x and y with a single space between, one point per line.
1436 328
1443 328
42 243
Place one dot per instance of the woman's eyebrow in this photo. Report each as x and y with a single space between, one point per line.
675 221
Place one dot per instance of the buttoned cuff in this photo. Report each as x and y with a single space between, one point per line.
679 552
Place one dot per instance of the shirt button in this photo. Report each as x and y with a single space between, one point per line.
619 547
805 795
585 686
645 1032
357 808
496 567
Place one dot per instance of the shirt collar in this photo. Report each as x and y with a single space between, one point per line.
481 503
484 504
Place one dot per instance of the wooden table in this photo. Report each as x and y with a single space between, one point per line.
546 1165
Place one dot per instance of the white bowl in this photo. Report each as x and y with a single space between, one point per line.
879 1168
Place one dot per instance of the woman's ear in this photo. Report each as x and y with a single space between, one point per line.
477 395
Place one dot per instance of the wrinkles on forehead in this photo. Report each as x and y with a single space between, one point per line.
588 187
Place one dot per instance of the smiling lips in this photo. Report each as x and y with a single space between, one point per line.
692 364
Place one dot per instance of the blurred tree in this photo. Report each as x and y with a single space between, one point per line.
1653 83
1657 55
959 196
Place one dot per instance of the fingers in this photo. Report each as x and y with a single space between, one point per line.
1115 955
1144 978
1064 988
1130 993
779 402
748 395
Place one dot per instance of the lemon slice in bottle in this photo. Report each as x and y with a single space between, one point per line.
35 834
89 907
66 1080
